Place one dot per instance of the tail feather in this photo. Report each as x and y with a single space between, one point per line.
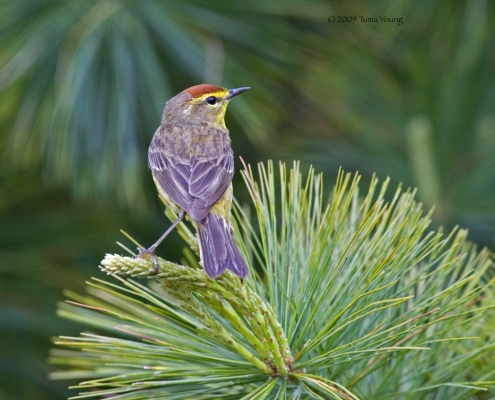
218 250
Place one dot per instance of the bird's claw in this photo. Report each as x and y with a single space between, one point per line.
151 252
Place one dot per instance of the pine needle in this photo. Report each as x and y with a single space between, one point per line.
356 299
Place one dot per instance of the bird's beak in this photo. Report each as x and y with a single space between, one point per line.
235 92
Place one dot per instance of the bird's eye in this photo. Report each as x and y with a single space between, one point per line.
212 100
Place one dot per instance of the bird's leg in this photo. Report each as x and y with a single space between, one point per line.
151 250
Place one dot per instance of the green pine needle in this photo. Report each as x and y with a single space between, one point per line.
355 299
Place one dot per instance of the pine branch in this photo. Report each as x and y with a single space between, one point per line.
373 304
226 297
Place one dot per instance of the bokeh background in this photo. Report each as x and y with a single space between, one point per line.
83 84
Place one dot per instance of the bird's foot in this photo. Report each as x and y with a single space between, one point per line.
151 252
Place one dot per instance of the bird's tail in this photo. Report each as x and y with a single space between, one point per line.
218 250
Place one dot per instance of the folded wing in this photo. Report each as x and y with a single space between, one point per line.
194 183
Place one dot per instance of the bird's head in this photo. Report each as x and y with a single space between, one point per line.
200 105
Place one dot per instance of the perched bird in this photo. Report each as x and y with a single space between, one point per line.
192 164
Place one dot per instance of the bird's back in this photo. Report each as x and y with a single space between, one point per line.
191 142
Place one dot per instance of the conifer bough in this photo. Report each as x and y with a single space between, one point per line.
356 299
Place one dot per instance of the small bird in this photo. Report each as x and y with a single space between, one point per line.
192 164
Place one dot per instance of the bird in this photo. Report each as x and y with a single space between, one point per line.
192 163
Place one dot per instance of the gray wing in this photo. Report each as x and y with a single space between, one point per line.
195 185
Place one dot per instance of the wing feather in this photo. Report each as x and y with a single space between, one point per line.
194 183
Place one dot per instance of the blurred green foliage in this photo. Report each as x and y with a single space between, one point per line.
82 85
